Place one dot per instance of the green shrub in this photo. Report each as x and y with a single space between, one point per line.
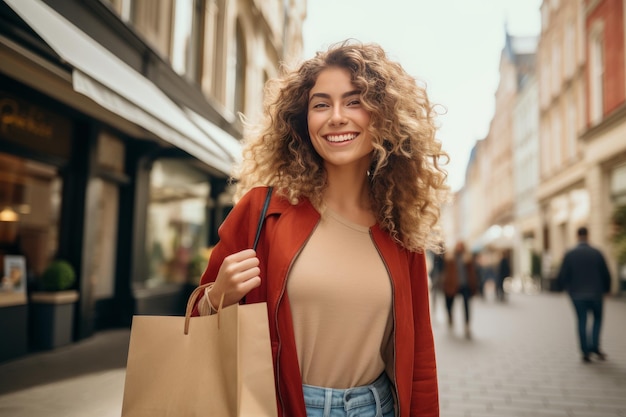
619 235
58 276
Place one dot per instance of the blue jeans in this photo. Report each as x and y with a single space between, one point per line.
582 307
374 400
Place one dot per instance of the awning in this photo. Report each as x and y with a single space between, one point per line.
114 85
228 144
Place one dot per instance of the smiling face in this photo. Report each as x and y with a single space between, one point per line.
338 122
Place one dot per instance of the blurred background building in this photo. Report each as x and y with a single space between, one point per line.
118 129
555 155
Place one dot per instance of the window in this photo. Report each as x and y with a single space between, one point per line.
545 149
569 49
572 126
185 52
152 20
177 227
30 204
596 74
240 78
556 65
556 156
544 79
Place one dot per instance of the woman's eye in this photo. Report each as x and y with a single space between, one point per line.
354 102
319 105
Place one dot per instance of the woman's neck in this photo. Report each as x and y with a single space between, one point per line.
348 195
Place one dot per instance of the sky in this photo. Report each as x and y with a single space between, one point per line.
453 46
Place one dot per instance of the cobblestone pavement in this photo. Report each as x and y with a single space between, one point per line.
522 360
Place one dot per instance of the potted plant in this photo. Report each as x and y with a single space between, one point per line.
619 242
53 306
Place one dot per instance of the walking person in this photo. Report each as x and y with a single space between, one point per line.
504 272
435 273
459 277
348 145
586 277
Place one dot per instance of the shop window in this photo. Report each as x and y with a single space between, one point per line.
30 202
103 219
177 227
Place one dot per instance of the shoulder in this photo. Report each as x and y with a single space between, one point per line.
248 206
252 196
254 199
586 248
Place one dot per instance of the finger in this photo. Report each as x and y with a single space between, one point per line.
247 286
237 271
240 256
246 274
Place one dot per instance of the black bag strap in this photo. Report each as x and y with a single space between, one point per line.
260 225
262 218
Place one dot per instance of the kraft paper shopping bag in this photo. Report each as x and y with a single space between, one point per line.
219 365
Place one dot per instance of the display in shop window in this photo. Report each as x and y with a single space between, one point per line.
14 277
13 284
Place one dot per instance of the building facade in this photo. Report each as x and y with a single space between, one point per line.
566 120
119 128
604 136
491 200
562 194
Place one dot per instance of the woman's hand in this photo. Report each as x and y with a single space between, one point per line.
238 275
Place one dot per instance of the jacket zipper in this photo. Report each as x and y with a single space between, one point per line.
280 297
393 308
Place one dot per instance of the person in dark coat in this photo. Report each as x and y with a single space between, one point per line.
504 271
585 276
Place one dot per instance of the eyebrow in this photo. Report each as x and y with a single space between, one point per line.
344 95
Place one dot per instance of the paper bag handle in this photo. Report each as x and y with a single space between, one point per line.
192 301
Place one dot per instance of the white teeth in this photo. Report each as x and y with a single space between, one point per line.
340 138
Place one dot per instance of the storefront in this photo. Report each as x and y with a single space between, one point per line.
108 174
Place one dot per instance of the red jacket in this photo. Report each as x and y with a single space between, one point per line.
286 230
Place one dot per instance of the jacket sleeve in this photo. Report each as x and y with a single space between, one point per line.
234 235
605 275
425 392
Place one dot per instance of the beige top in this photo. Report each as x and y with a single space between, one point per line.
340 296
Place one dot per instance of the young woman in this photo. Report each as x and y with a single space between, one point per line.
348 143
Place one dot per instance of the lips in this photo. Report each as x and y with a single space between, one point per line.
346 137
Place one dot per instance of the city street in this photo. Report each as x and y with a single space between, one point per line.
522 360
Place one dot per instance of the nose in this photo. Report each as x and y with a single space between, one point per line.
337 117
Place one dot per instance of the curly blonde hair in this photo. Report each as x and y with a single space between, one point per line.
407 181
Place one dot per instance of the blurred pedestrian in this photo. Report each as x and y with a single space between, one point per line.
504 272
477 258
435 273
586 277
348 144
459 277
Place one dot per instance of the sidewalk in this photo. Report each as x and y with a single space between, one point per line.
82 380
522 361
